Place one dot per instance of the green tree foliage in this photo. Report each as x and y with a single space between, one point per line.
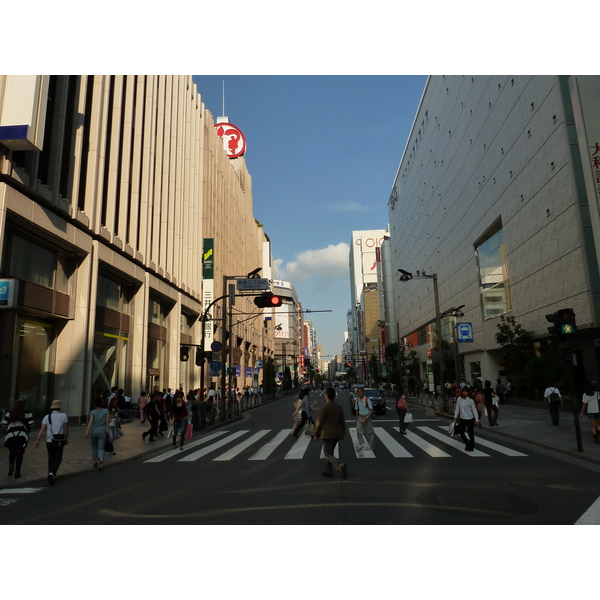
517 346
269 384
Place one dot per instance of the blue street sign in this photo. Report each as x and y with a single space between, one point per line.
464 332
216 346
215 366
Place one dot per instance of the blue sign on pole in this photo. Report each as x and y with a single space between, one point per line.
215 366
7 292
464 332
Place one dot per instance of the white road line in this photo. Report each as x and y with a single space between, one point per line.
232 452
397 450
266 450
497 447
591 516
336 451
200 453
21 490
359 453
299 448
446 439
195 444
430 449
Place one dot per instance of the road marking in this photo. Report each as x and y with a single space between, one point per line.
430 449
299 448
397 450
8 501
21 490
591 516
176 452
200 453
336 451
232 452
266 450
446 439
497 447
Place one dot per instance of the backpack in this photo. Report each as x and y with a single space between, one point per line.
554 396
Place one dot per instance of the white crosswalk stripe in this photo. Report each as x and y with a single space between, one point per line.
419 440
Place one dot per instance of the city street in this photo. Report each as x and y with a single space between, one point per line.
253 472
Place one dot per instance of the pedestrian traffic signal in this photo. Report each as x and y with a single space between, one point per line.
184 353
563 322
268 300
200 357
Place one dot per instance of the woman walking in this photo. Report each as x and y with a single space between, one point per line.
143 400
402 410
591 406
179 419
99 424
18 423
56 425
115 412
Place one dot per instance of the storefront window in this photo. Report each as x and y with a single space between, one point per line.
33 364
110 361
156 364
32 263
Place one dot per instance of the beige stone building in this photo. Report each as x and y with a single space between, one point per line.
108 187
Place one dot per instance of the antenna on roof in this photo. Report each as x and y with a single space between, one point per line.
223 98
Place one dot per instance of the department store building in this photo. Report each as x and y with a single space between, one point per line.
109 188
497 194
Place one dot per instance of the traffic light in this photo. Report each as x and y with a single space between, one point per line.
563 322
267 300
200 357
184 353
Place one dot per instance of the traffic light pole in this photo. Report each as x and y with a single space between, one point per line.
575 402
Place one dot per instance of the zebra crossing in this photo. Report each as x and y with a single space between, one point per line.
224 446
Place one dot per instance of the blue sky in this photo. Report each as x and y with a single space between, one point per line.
323 152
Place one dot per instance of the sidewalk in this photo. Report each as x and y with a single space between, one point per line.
77 456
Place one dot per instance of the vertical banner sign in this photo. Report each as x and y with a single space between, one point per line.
208 286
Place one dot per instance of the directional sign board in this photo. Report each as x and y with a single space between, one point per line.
464 332
252 285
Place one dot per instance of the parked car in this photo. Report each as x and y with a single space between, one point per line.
377 401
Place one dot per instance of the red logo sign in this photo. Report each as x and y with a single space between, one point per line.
234 141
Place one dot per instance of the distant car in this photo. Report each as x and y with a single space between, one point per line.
377 401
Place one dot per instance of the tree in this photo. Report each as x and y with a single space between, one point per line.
517 346
269 384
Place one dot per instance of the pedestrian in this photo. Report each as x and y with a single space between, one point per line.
114 412
153 416
18 422
488 398
508 390
304 397
590 406
142 401
402 410
500 391
480 404
466 413
297 414
364 421
554 401
56 426
331 428
100 429
179 419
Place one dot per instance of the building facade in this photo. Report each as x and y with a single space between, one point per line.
102 229
495 195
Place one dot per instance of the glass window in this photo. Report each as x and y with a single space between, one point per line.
156 313
493 276
109 293
110 360
32 263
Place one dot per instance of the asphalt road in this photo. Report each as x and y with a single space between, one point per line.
253 472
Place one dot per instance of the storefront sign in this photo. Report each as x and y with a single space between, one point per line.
8 293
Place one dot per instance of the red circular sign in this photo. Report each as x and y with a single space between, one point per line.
233 139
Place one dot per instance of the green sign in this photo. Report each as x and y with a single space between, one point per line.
208 259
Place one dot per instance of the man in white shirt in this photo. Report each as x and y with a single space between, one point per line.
466 412
553 399
364 422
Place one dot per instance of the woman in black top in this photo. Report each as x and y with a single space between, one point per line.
179 419
492 410
18 423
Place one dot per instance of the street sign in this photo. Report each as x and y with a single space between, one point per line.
259 364
215 366
8 293
252 285
464 332
216 346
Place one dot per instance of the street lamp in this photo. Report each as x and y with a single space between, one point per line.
407 276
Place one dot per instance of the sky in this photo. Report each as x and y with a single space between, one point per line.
322 152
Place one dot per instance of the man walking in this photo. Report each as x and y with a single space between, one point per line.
331 428
364 421
553 399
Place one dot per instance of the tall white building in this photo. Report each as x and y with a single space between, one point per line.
497 194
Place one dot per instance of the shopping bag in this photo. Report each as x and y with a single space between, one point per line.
188 431
108 445
170 434
408 419
309 429
451 428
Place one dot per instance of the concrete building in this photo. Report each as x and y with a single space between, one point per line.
108 187
497 195
287 318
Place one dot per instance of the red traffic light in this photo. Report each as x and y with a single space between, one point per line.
267 300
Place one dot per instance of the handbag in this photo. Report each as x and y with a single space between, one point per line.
108 445
188 431
309 430
408 419
451 428
170 434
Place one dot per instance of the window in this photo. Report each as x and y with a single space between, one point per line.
32 263
493 273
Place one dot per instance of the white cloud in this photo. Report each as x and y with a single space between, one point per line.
349 207
325 264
